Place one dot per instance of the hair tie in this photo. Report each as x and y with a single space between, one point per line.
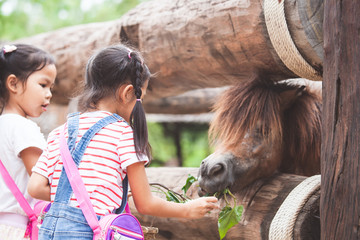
138 100
9 48
129 54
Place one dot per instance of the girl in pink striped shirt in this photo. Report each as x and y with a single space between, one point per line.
115 83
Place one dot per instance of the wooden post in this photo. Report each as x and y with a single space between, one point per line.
340 159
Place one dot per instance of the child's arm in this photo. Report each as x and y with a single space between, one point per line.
148 204
38 187
30 156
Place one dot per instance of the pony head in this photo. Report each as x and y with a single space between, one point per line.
262 127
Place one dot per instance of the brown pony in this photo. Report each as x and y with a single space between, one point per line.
262 127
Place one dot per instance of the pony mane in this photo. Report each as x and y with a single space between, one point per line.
302 122
257 104
241 109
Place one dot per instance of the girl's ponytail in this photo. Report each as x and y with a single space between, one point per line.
137 117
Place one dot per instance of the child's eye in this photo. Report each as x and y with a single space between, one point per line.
43 85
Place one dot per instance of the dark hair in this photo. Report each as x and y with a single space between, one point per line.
22 62
109 69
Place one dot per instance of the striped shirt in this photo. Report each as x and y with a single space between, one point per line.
103 165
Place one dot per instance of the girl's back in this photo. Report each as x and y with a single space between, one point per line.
103 164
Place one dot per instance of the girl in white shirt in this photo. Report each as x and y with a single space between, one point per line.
27 74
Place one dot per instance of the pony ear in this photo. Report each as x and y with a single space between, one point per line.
288 97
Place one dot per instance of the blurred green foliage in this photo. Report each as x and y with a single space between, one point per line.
23 18
195 145
193 138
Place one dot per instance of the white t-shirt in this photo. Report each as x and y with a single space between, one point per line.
16 134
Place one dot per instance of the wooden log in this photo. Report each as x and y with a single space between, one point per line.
149 232
190 44
261 202
340 155
194 101
311 15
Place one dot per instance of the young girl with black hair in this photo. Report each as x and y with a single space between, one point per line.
27 75
115 84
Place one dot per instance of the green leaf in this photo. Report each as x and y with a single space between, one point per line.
171 197
189 181
228 217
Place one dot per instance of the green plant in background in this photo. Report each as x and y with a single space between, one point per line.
162 146
195 144
23 18
192 143
228 217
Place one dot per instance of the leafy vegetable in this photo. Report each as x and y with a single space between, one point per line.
171 197
189 181
228 216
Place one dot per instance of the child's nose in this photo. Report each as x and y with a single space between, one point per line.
48 94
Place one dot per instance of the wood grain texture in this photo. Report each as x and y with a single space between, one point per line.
340 159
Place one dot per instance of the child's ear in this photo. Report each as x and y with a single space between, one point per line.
126 93
12 83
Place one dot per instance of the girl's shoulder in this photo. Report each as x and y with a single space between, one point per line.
54 134
90 118
20 132
16 121
12 117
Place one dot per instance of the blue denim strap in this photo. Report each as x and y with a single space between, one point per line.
86 138
63 196
73 129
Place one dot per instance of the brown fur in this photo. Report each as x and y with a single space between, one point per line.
284 113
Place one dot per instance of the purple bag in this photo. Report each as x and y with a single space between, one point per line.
119 226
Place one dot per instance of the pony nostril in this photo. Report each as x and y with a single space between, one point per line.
216 169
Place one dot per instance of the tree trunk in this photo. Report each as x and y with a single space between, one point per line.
340 209
261 202
190 44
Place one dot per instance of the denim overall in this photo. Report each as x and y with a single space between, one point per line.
62 221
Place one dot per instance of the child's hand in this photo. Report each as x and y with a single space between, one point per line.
197 208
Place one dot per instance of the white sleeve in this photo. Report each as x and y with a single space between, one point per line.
126 150
27 134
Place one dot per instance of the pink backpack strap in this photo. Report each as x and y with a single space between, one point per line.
77 185
17 193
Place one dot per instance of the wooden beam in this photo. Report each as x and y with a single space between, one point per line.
194 101
340 155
